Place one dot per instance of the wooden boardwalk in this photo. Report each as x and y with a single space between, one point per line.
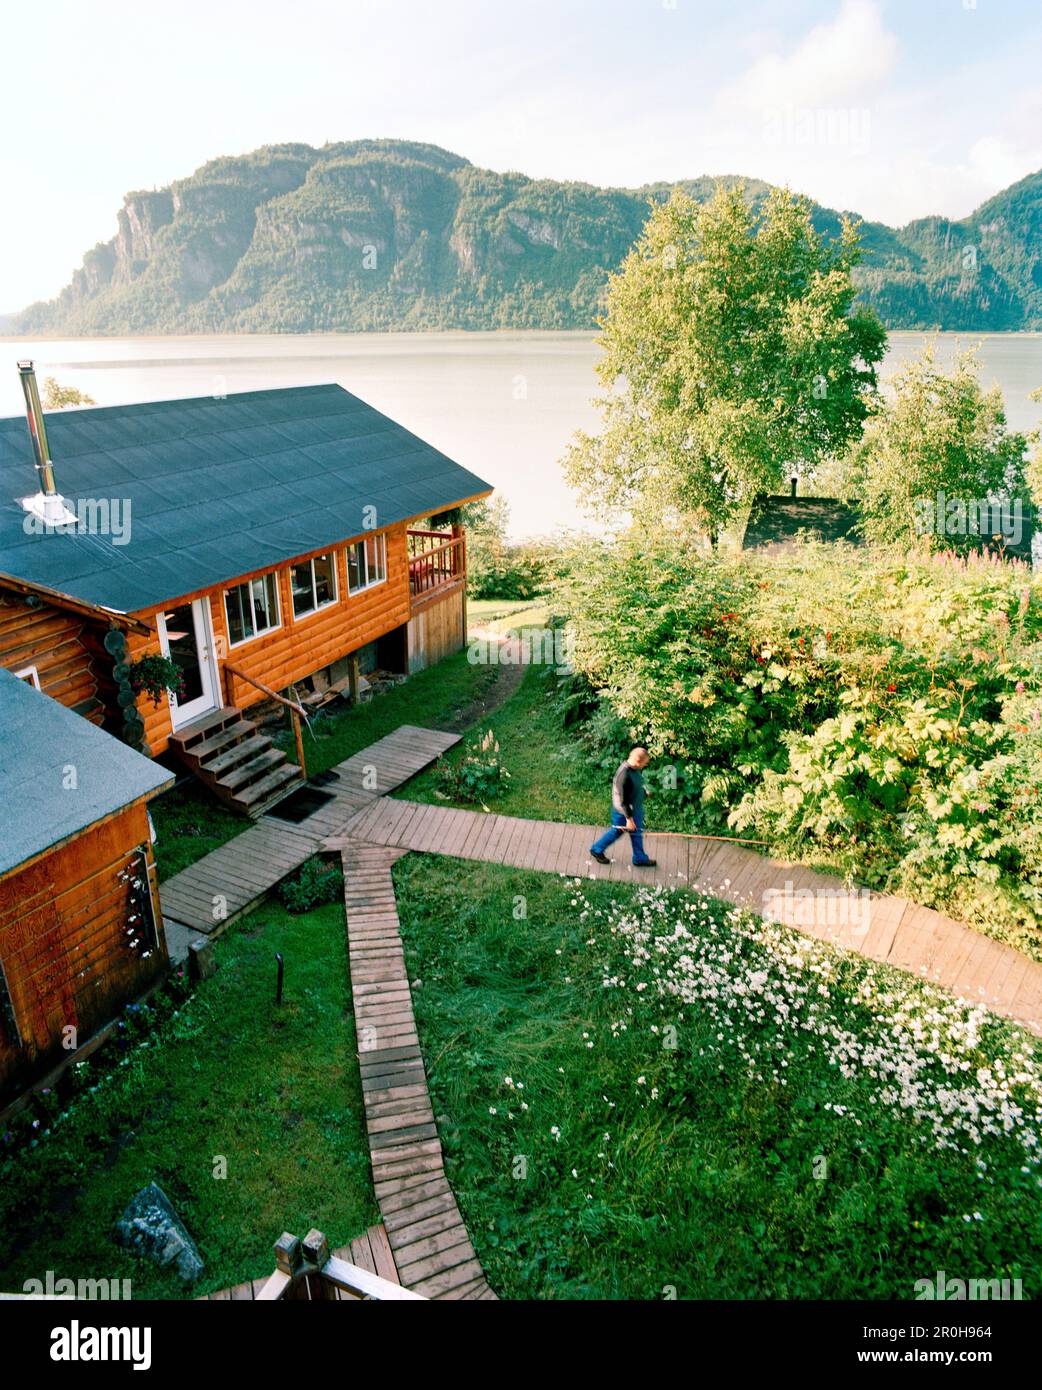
223 885
370 1251
883 928
431 1247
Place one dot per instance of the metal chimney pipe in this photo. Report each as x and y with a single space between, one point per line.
37 429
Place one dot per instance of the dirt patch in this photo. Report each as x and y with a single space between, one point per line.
502 682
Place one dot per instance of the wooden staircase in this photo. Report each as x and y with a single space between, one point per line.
239 764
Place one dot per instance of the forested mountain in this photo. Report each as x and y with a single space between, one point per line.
390 234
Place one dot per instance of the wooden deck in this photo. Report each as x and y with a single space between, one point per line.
371 1251
217 889
937 948
431 1247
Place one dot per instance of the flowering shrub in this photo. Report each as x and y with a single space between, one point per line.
478 776
872 712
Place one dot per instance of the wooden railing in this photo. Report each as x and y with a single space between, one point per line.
296 711
436 558
305 1271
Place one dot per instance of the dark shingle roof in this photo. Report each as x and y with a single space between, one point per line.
777 521
217 488
41 741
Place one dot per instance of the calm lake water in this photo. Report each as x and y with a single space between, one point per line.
502 404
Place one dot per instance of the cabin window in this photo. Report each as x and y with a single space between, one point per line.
313 584
30 674
366 563
252 608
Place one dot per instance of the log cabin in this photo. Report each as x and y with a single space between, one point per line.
264 543
80 927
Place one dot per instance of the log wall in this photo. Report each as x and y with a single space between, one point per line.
66 955
300 646
62 647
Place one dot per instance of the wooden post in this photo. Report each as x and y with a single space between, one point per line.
295 717
316 1253
288 1254
461 560
352 677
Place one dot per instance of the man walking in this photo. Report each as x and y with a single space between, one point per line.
627 810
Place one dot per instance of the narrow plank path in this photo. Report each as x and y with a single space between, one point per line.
432 1250
213 892
876 925
370 1251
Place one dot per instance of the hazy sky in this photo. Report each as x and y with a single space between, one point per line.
894 108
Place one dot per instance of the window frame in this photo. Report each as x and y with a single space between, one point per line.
319 607
380 537
31 675
248 583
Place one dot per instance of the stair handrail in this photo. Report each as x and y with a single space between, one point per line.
297 711
267 690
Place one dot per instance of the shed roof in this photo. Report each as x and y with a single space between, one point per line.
217 488
41 741
777 521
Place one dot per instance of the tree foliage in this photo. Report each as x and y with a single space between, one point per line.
57 397
874 713
940 442
733 354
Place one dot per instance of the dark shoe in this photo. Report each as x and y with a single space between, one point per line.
601 858
645 864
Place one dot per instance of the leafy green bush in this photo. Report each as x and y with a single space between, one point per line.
874 712
477 777
495 567
316 882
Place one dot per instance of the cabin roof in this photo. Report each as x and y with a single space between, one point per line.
777 521
41 741
218 487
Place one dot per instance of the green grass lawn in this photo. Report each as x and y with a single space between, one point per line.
275 1091
502 613
433 699
644 1095
549 778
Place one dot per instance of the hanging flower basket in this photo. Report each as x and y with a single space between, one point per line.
155 676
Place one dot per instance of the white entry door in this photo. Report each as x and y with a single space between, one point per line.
186 636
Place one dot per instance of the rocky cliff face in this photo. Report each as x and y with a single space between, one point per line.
395 234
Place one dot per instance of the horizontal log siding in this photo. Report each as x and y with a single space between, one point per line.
57 643
300 646
61 944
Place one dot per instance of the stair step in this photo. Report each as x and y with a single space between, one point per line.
219 741
257 792
252 770
220 764
187 736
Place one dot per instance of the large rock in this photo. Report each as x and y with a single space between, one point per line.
150 1227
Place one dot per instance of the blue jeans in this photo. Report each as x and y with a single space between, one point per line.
618 829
